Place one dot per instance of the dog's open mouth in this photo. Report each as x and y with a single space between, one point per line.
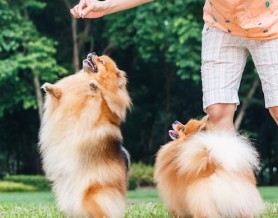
90 64
173 134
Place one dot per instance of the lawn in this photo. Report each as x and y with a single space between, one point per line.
141 203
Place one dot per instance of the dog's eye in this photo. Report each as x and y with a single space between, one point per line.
101 61
183 129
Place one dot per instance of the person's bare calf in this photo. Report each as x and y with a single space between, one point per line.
222 115
274 113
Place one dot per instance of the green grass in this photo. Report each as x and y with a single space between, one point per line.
27 198
141 203
269 194
143 196
23 210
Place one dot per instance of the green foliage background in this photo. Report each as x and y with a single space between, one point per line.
157 44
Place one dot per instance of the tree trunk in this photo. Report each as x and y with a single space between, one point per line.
39 96
75 58
85 34
167 107
245 104
75 45
108 49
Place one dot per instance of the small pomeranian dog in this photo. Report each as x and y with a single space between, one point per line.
206 173
81 141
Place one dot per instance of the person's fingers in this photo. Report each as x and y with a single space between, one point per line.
81 5
94 15
86 10
74 14
74 11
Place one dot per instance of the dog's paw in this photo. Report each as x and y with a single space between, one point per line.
51 89
47 87
94 85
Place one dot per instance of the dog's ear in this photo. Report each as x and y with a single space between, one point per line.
203 127
122 80
204 123
52 90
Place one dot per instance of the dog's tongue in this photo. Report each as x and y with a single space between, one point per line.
173 134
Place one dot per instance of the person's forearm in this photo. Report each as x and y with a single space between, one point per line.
120 5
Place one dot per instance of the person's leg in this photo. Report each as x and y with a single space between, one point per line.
274 113
222 115
223 61
265 57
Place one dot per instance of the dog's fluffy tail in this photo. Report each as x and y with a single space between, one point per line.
221 164
208 151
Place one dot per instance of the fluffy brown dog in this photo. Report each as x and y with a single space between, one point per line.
207 174
81 142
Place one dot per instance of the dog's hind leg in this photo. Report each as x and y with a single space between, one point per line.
103 202
93 210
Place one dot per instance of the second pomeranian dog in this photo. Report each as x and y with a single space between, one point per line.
208 174
81 141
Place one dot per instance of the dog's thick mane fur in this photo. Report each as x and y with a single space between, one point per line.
81 142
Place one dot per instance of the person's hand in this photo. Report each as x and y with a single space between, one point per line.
90 9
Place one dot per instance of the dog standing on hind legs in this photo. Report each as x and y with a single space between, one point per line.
206 173
81 141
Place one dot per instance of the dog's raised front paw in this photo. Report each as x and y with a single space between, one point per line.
52 90
47 87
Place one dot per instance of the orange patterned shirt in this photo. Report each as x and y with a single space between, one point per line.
253 19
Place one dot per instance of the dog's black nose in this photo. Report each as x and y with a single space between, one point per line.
90 55
176 122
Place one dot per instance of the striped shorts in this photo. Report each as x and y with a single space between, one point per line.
223 61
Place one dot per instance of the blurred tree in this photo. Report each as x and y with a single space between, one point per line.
157 44
26 58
